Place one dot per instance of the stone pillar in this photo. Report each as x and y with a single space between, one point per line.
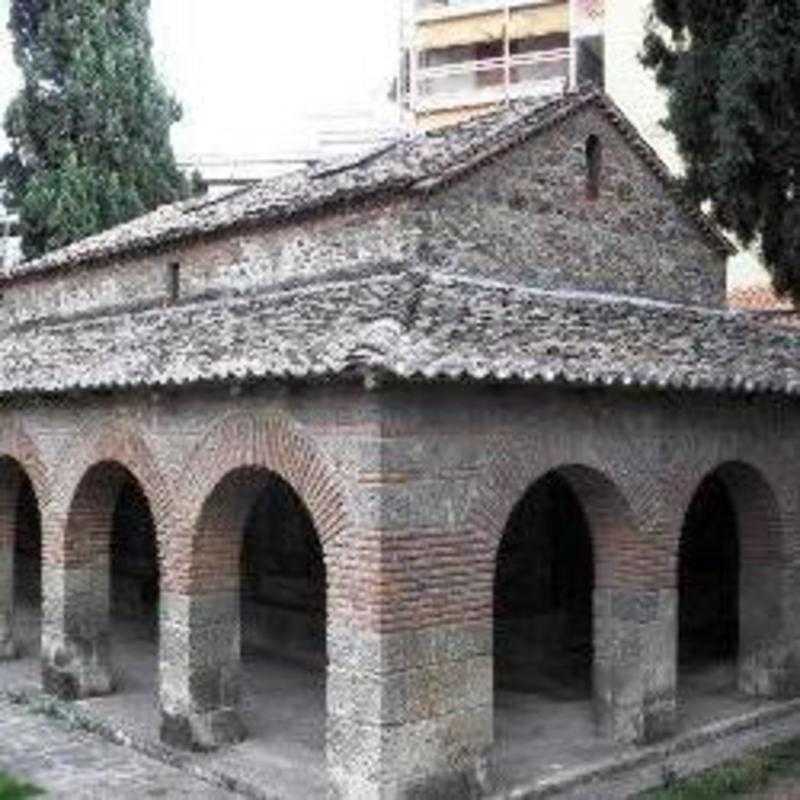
410 678
8 648
635 662
409 714
200 669
769 632
8 499
769 665
76 629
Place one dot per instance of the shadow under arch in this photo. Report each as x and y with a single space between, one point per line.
730 578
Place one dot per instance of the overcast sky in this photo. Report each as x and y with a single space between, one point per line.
254 77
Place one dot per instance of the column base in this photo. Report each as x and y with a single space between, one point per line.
8 649
470 784
770 672
77 670
202 732
640 723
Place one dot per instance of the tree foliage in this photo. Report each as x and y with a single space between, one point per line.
89 129
732 72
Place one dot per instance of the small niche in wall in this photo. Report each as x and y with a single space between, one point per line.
594 166
173 282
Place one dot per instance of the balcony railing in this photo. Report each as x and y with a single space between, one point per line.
434 7
491 80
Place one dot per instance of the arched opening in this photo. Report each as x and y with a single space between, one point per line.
581 608
543 623
283 615
134 590
20 563
708 580
103 636
283 584
27 571
261 638
730 615
544 581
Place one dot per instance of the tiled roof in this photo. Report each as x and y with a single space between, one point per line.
410 325
417 164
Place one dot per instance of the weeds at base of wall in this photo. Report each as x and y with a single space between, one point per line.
12 789
751 773
60 710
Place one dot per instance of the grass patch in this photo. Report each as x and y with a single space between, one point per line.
12 789
749 774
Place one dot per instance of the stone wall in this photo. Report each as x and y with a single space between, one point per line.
409 490
343 241
526 219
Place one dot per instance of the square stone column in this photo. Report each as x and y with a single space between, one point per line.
8 517
76 630
769 630
410 677
199 669
635 662
409 714
8 648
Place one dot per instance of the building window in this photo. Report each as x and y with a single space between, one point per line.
174 282
594 165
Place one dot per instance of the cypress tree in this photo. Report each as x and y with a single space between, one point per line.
732 72
89 129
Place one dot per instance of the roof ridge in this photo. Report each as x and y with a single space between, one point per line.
415 164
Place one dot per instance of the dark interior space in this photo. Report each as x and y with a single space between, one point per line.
543 595
27 549
283 579
709 579
134 560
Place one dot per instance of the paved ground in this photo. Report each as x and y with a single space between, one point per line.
284 711
538 736
75 764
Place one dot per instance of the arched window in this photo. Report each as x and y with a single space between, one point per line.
594 165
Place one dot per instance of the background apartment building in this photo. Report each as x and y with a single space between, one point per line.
464 57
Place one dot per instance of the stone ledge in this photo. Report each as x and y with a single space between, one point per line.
684 755
607 779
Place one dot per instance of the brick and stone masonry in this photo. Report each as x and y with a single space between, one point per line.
410 490
396 353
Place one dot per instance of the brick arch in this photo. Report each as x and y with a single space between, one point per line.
756 506
614 486
766 662
601 489
275 444
694 456
18 447
122 448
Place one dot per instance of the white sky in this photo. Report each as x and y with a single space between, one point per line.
254 76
